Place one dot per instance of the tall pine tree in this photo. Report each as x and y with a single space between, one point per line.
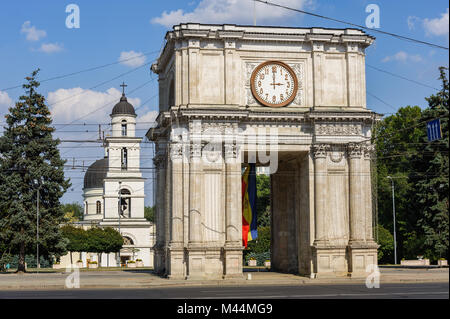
30 159
432 186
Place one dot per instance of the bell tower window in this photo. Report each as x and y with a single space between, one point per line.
124 128
124 158
99 207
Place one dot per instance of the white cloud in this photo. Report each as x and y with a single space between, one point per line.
231 11
5 100
32 34
147 117
402 56
437 26
50 47
82 102
132 59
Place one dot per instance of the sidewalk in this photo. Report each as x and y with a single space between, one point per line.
147 279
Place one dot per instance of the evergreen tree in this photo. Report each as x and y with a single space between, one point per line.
30 159
433 177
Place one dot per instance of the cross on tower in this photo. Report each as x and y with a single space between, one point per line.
123 85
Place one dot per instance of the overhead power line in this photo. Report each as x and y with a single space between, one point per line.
401 77
85 70
353 24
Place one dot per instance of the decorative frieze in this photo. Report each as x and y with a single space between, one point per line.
338 129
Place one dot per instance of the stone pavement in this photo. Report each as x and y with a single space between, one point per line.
147 279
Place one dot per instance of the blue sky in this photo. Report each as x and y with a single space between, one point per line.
33 34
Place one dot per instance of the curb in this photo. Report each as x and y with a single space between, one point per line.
242 283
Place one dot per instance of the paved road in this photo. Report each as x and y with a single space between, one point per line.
334 291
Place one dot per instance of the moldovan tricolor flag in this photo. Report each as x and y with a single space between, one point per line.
249 226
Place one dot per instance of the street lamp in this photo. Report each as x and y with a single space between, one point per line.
393 213
37 184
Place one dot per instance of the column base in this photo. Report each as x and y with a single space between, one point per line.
176 268
329 260
362 257
159 263
204 263
232 259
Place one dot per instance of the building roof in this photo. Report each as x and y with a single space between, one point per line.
96 173
123 107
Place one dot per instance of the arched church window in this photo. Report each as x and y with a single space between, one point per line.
124 128
124 158
127 241
86 207
99 207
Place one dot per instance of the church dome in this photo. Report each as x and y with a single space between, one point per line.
96 173
123 107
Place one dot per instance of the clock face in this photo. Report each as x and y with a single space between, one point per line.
274 84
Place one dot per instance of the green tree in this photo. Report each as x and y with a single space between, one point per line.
259 248
149 213
29 158
96 241
386 242
397 137
76 238
432 178
114 239
73 212
263 200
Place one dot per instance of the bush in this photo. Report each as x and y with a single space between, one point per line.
259 257
259 246
31 261
386 242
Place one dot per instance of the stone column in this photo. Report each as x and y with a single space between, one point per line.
195 196
233 210
175 247
320 193
195 250
361 252
160 164
368 150
357 209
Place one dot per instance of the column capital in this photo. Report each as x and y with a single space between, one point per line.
320 150
369 150
176 151
355 150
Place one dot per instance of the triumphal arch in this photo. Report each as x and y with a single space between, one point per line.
293 99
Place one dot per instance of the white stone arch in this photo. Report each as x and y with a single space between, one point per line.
131 236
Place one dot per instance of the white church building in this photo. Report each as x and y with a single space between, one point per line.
113 179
